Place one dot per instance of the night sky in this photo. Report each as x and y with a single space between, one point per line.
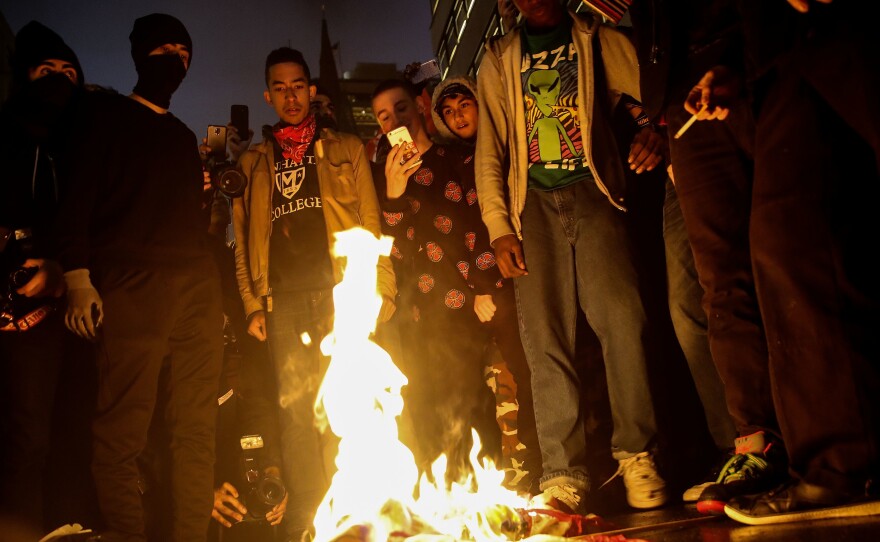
231 40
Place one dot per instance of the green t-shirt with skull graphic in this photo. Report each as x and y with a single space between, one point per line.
550 91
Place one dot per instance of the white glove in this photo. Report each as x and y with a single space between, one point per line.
85 311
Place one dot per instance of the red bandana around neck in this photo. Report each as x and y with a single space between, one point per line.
294 140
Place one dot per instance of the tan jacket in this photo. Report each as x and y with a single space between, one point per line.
502 154
348 200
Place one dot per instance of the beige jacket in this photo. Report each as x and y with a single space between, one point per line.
502 154
348 200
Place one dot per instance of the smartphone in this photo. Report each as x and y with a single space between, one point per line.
239 119
251 442
400 136
217 141
427 70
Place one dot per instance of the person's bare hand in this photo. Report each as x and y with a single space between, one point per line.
648 149
509 256
206 181
276 514
257 325
804 5
397 170
204 150
711 97
47 282
484 307
226 505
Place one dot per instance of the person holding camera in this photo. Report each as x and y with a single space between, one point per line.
135 223
232 507
249 497
36 352
305 183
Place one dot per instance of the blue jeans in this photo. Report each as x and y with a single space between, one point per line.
307 455
577 250
691 323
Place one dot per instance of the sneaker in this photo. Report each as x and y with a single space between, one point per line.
799 501
754 468
644 486
564 498
692 494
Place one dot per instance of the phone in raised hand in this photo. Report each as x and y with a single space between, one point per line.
217 142
401 136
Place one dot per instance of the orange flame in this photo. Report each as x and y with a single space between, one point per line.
371 497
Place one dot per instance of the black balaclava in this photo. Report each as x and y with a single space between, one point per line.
158 75
44 102
41 103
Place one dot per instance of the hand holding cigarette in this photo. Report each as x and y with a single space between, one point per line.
690 122
710 98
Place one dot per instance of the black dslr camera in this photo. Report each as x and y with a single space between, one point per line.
225 175
261 493
15 248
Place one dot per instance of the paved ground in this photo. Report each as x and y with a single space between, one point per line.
679 523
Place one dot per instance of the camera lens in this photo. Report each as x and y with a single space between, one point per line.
271 491
21 276
268 493
232 182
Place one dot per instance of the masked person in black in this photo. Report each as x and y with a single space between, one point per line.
47 76
142 283
36 352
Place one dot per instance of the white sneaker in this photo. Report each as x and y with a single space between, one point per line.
644 486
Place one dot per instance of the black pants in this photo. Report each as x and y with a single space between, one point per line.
813 231
713 169
153 317
33 365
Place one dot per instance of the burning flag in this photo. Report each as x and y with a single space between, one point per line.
376 494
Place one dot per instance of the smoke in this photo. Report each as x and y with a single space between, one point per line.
448 396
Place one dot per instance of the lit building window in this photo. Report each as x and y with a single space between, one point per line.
455 27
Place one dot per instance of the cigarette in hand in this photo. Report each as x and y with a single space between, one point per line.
690 122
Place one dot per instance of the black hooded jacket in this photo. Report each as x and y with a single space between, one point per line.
34 134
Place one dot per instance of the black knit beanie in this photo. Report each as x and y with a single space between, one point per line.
35 43
155 30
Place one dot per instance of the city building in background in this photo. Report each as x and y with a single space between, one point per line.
357 86
460 29
350 93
